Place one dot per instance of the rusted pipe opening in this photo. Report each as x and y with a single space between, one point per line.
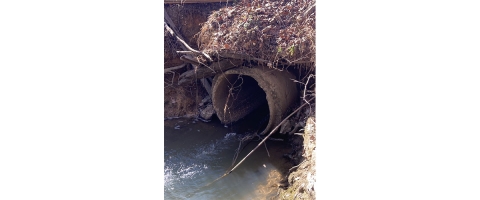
237 97
240 91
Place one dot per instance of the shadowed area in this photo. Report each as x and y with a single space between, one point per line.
239 91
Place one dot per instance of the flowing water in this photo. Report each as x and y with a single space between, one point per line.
197 153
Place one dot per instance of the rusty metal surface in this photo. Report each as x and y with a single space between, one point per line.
233 101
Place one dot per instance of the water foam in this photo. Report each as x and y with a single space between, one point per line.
189 165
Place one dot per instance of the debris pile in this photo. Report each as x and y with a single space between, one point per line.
271 30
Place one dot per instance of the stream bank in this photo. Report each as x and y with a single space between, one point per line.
190 97
301 178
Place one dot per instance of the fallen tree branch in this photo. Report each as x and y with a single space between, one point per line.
203 72
190 59
177 35
184 44
283 121
170 22
241 56
187 52
174 68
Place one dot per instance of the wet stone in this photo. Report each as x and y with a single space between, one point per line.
207 112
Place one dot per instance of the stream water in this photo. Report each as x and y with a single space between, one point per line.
197 153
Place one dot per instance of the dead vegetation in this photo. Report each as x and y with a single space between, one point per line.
267 30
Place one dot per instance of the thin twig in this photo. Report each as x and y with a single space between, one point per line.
305 89
283 121
309 11
190 59
298 61
248 139
173 79
185 45
242 56
296 166
175 33
267 149
187 52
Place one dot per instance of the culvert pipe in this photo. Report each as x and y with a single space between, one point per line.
239 91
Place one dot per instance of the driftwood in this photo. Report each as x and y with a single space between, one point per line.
203 72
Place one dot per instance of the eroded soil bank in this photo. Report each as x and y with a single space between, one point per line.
301 180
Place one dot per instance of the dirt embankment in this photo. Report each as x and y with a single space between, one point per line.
185 100
301 179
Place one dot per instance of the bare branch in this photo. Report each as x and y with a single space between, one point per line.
310 10
241 56
187 52
283 121
174 68
190 59
203 72
175 33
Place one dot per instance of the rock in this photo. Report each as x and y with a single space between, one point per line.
207 112
205 100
